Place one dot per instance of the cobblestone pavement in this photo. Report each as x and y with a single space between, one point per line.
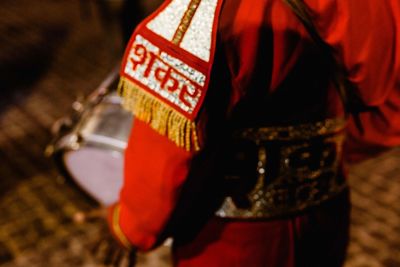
375 232
50 53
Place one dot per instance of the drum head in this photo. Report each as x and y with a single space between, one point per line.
97 171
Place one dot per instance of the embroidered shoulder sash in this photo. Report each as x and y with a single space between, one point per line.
166 68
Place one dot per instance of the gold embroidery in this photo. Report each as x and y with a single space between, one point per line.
185 22
308 174
287 133
117 229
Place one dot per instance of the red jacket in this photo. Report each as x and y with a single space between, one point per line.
268 52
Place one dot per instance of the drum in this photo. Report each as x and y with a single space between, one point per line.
89 144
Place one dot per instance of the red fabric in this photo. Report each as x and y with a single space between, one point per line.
264 44
232 244
381 128
364 35
353 28
313 240
155 168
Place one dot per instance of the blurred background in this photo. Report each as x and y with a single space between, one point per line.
55 52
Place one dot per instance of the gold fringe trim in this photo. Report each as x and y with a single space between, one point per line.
161 117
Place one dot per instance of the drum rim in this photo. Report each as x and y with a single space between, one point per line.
71 140
65 143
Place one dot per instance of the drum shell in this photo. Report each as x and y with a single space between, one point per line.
90 154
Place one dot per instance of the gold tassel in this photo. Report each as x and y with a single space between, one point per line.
161 117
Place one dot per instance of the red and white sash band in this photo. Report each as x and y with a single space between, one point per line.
166 68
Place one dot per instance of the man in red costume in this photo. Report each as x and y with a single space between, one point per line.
236 147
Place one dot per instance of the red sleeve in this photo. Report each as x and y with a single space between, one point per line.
364 34
154 172
366 37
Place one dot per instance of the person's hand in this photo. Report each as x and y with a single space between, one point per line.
105 249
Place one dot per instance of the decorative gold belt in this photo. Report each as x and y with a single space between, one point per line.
297 167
